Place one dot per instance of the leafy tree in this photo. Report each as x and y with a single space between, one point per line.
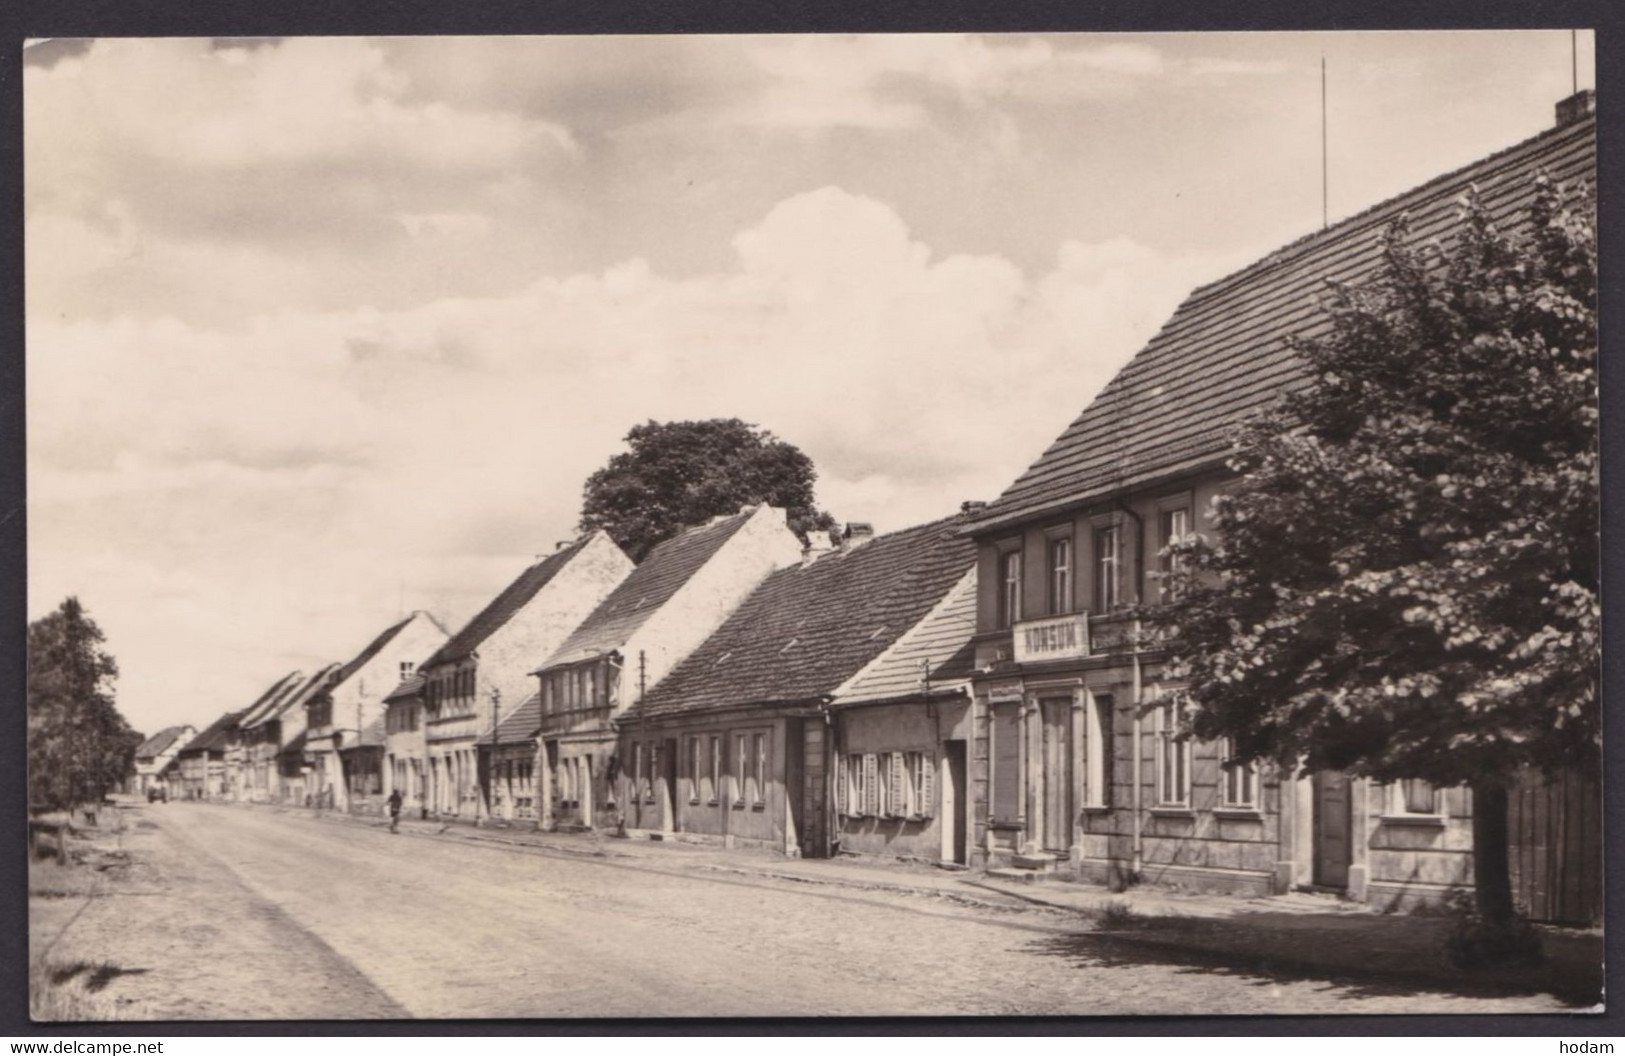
1404 580
677 474
79 746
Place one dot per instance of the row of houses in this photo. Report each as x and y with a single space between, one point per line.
973 691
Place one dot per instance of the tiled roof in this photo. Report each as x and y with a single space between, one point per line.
940 644
214 738
411 686
649 586
289 701
267 700
809 628
520 724
376 645
159 743
503 607
1223 356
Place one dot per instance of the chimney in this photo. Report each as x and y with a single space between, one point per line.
971 507
1580 105
818 544
857 533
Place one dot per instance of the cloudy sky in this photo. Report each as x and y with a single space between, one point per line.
321 330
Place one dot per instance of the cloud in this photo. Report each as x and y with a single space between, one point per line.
299 477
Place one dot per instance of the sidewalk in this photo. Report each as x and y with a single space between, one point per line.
1299 934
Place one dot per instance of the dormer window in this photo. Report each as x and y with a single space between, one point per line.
406 669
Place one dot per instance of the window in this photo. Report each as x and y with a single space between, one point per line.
739 770
1060 575
1010 588
1097 750
849 794
759 765
654 771
1415 796
406 669
1173 758
1108 568
1240 780
1174 525
637 771
693 769
921 773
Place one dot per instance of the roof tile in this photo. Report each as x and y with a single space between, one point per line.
808 628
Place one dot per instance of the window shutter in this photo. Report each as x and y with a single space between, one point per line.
871 784
899 803
840 784
927 806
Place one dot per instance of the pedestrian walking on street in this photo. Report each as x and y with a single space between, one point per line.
394 810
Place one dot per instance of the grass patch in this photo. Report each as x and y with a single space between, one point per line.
62 993
1118 915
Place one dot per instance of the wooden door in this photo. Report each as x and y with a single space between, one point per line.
955 801
1057 774
1334 829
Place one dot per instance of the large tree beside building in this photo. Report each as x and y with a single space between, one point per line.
1403 583
79 746
677 474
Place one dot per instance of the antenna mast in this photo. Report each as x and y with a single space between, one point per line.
1324 210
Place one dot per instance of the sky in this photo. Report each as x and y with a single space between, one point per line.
324 330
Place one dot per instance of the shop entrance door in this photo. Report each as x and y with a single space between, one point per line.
1057 774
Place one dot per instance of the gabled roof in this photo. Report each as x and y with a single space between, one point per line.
520 724
375 646
411 686
295 699
649 586
506 604
271 697
808 628
160 742
936 653
215 736
1223 355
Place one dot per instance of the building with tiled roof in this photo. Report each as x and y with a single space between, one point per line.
486 665
1079 754
202 762
900 733
508 760
682 591
156 752
353 700
733 743
275 764
405 750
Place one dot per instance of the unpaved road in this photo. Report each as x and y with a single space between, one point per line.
387 925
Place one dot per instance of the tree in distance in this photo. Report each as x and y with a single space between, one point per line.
1404 578
678 474
79 746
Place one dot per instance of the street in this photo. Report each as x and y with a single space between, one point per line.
278 915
